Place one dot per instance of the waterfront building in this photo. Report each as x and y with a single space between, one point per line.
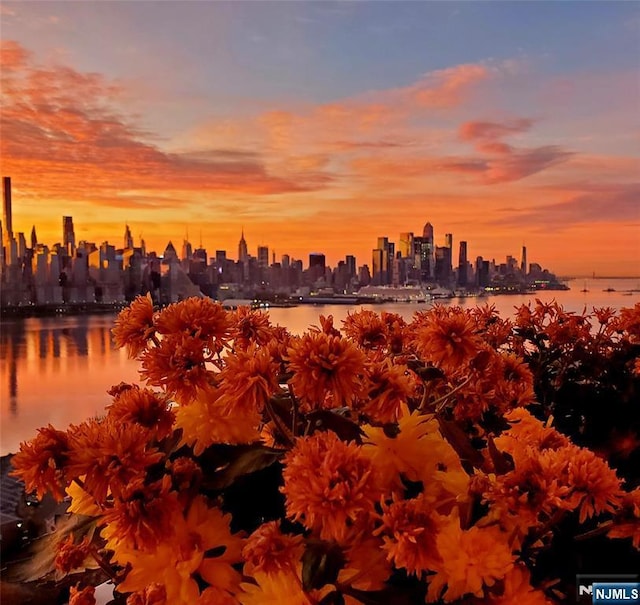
462 265
68 235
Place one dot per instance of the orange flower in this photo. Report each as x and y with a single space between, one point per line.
366 567
629 323
200 318
71 555
42 463
326 326
82 597
281 588
627 522
250 326
111 455
155 594
526 430
268 550
144 514
470 560
596 487
447 339
396 328
326 365
202 546
517 589
366 328
515 387
144 407
204 422
329 485
178 366
134 326
409 533
248 380
391 386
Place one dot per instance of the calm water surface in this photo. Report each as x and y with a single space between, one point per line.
58 369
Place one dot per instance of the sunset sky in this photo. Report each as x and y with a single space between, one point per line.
319 126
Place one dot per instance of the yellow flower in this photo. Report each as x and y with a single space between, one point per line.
471 560
202 545
204 422
517 589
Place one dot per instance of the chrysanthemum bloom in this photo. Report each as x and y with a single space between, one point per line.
366 328
86 596
595 485
42 463
396 329
204 422
419 453
201 547
71 555
391 386
470 560
448 341
526 430
186 476
144 407
250 326
326 326
409 530
143 515
200 318
366 566
178 365
213 595
134 326
110 455
279 589
270 551
515 385
628 322
248 379
329 485
326 365
155 594
627 522
517 589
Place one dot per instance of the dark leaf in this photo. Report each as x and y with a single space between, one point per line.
333 598
460 442
242 460
346 429
429 373
321 563
502 461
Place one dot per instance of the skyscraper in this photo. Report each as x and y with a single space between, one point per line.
406 245
523 262
128 238
462 264
243 253
68 235
428 264
7 219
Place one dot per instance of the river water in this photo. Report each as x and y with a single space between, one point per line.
58 369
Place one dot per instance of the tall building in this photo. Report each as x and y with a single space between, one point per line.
263 257
317 266
34 238
462 264
128 238
7 219
243 254
68 235
428 254
405 246
523 262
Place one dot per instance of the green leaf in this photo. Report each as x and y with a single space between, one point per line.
321 563
242 460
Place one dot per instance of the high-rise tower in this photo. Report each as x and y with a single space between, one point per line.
7 219
68 235
243 253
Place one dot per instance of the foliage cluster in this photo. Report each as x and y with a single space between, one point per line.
457 458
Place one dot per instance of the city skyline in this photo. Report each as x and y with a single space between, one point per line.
330 123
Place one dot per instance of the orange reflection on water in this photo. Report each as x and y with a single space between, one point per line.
56 370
